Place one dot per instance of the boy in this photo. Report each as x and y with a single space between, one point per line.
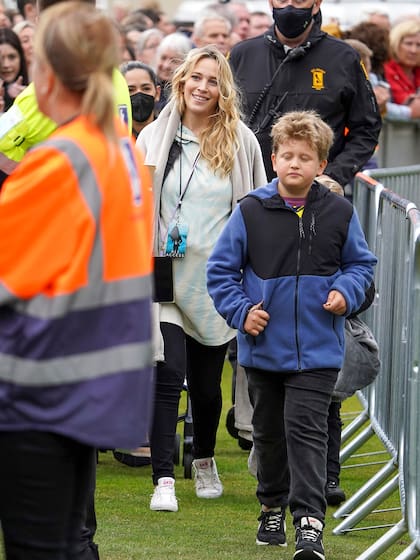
291 262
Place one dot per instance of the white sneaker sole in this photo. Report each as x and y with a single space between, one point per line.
262 543
171 507
305 554
209 496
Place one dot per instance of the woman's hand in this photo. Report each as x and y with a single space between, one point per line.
382 95
415 107
256 320
15 88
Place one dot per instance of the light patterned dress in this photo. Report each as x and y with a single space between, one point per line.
206 206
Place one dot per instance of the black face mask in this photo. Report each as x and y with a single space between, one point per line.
142 106
291 21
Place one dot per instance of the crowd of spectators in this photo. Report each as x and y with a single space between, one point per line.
150 36
393 64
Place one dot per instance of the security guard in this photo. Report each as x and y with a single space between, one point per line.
75 294
301 67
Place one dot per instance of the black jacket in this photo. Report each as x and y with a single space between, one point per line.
327 78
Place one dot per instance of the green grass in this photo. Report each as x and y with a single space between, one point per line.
218 529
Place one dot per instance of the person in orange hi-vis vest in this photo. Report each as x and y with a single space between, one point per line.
75 292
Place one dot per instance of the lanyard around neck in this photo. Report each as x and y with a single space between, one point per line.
194 165
182 192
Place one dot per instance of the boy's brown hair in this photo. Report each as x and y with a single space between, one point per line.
303 125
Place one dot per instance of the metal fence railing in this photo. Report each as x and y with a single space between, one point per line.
405 181
399 143
392 403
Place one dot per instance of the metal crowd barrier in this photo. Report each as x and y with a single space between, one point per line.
405 181
392 403
399 143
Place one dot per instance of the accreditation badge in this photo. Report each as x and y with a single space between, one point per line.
176 243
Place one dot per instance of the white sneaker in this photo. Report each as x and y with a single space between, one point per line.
207 481
163 498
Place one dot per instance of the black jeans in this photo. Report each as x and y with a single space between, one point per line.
335 426
290 438
46 489
201 366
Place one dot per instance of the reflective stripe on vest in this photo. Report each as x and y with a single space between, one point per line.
93 294
48 321
77 368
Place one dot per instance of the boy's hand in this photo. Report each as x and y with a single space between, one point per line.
335 303
256 320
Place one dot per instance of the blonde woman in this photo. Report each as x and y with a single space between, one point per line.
402 72
77 215
204 159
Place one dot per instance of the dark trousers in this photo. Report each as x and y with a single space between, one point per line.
290 438
334 442
46 489
201 366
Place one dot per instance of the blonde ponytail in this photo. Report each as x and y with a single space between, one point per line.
98 100
79 42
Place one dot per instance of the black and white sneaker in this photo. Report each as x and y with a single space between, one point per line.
272 528
309 540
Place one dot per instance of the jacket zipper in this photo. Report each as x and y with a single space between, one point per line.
312 232
301 236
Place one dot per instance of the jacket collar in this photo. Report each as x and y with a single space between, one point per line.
270 197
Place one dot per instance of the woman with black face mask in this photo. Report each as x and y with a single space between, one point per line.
144 93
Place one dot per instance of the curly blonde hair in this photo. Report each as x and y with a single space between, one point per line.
303 125
219 140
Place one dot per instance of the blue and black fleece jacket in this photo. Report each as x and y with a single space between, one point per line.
267 253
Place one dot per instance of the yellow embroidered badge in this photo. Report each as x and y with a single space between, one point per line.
318 78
